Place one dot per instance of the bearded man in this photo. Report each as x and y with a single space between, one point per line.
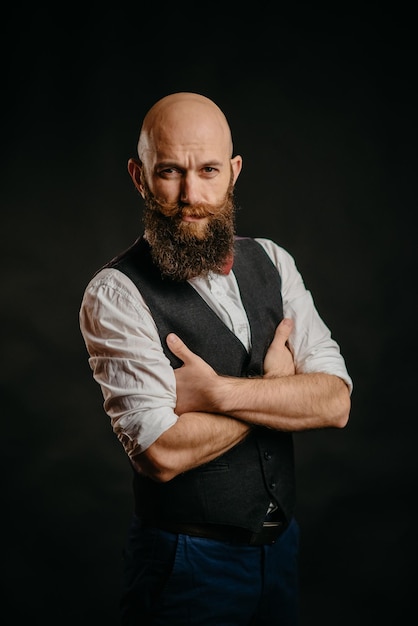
210 353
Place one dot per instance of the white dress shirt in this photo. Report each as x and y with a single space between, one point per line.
128 362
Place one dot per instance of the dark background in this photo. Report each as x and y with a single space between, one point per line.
322 106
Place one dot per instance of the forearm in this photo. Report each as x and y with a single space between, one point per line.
281 399
291 403
195 439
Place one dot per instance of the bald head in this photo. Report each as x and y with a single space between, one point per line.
185 152
185 119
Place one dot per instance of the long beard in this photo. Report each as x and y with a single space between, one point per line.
184 250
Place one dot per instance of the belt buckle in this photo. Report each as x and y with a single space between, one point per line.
268 535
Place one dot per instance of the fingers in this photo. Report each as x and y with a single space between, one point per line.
283 330
178 347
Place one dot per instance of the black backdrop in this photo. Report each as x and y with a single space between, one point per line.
322 108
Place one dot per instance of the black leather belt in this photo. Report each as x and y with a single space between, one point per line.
234 534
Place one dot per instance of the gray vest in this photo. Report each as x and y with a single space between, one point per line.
235 488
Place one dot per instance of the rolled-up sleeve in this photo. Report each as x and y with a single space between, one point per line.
313 348
127 360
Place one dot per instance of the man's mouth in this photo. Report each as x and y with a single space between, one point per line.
196 213
193 218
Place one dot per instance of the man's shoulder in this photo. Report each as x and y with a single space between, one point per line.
110 280
279 255
264 242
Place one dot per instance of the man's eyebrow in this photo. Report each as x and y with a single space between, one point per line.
169 164
214 163
166 164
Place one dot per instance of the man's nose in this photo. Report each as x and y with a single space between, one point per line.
190 193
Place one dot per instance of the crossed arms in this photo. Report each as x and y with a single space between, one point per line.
217 412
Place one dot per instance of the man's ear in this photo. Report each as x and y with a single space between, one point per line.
134 169
236 164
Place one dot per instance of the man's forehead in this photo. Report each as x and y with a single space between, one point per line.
204 148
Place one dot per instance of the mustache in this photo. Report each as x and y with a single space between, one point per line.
198 211
179 210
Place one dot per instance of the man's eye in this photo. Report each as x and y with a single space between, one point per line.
168 171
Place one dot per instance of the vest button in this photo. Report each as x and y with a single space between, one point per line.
267 456
272 485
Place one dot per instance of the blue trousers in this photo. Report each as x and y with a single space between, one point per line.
178 580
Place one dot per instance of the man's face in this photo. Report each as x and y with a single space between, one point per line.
189 240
